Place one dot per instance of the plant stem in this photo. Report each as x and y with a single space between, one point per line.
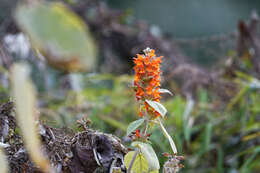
146 127
132 161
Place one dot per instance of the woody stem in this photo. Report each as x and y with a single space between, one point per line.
146 127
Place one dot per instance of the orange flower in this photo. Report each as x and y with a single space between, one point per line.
147 78
141 114
137 133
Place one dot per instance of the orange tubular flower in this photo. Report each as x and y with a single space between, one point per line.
147 79
137 133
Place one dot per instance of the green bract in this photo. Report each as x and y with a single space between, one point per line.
134 125
157 106
161 90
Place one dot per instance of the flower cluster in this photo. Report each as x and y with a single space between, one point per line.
147 79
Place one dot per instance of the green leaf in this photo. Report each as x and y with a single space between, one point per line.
244 76
157 106
186 118
58 34
207 138
161 90
220 161
237 98
140 164
154 171
149 154
174 149
133 126
246 168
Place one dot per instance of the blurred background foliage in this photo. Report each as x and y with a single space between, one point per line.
206 22
215 132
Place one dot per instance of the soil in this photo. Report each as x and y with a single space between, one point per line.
68 152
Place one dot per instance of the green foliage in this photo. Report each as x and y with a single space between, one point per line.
218 138
166 134
134 125
155 171
157 106
214 134
161 90
59 34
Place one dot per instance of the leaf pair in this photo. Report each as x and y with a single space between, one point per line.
156 106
